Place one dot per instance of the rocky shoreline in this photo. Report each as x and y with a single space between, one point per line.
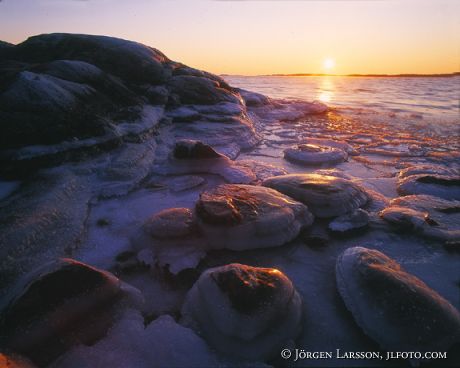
163 185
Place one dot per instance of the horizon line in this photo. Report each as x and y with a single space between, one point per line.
377 75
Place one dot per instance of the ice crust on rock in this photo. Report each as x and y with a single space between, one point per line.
59 305
241 217
396 309
325 196
129 344
194 157
43 218
244 311
174 239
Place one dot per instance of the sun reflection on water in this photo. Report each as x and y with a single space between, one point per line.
326 90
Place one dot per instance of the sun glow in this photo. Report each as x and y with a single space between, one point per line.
328 64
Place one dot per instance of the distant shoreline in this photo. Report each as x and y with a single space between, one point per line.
445 75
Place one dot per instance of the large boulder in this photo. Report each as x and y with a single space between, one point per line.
396 309
243 217
325 196
59 305
246 312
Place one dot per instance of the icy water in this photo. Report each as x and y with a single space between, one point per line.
434 99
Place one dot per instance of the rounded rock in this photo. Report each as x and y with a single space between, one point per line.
244 311
241 217
325 196
396 309
61 304
312 154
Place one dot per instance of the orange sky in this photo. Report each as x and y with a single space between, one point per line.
262 37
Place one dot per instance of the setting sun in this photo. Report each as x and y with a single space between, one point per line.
328 64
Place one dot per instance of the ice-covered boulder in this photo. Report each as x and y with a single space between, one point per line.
241 217
59 305
396 309
325 196
246 312
312 154
444 186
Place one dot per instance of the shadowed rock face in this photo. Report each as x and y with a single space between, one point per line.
61 304
125 59
80 91
187 149
393 307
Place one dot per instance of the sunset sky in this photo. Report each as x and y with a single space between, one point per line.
262 37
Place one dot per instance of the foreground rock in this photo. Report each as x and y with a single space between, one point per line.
241 217
244 311
393 307
325 196
62 304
